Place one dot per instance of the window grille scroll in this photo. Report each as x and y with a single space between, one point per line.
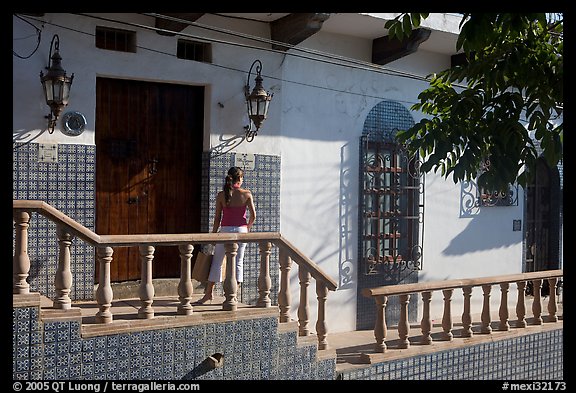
391 219
488 198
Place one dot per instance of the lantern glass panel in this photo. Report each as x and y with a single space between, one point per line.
58 90
65 93
48 91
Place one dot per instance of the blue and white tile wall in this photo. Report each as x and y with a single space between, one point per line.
536 356
65 181
253 349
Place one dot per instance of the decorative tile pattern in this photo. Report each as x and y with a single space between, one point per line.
252 349
27 357
69 186
512 359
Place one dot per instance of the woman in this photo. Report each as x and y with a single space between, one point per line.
231 206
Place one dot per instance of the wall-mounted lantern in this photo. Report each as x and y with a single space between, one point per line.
56 84
257 102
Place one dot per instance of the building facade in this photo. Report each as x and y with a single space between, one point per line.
157 114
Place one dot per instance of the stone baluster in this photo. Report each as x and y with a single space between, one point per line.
552 306
426 323
380 328
485 317
146 288
264 281
284 294
466 314
537 303
21 261
185 287
503 311
230 285
104 294
521 305
63 278
303 309
447 315
321 328
403 324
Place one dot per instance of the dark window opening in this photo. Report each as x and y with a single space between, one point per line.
194 50
115 39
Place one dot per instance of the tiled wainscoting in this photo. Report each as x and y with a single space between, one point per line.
64 177
538 356
253 349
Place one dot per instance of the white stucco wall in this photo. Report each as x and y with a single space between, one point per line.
323 118
315 123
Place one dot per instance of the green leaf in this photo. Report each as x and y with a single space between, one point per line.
407 24
416 18
512 84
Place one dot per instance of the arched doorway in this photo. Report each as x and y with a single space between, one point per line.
543 219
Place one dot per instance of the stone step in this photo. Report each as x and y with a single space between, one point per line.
162 287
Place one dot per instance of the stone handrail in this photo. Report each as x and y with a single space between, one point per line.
67 228
381 294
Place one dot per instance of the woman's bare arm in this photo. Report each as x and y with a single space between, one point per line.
218 213
251 209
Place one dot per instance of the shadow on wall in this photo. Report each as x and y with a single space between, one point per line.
25 136
490 227
226 145
210 363
347 214
485 232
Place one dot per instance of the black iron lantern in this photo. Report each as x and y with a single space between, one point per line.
56 84
257 101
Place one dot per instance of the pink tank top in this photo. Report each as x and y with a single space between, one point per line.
233 216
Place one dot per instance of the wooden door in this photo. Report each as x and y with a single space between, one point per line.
538 220
148 167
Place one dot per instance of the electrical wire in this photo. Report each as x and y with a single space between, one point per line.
38 35
331 58
372 68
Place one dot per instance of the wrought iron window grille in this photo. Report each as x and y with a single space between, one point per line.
391 216
489 198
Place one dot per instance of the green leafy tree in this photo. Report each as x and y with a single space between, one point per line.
487 116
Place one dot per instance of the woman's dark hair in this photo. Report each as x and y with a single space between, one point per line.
234 175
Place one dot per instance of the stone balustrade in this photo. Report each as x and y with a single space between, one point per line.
67 229
447 287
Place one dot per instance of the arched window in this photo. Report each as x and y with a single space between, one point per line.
391 197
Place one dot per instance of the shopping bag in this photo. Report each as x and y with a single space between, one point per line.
202 265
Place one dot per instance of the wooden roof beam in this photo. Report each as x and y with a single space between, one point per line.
295 28
167 24
386 50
